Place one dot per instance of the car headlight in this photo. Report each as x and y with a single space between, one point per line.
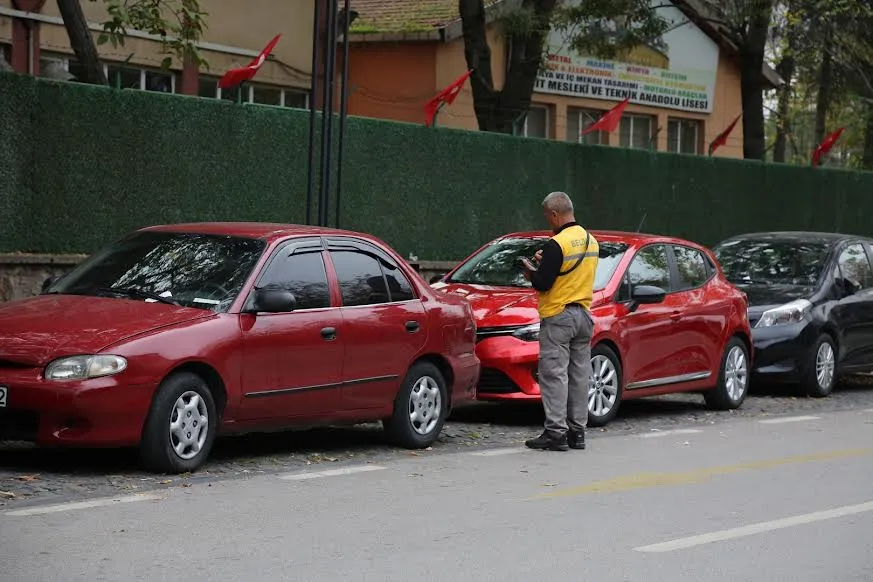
793 312
84 367
528 333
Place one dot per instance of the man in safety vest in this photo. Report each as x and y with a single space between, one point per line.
564 281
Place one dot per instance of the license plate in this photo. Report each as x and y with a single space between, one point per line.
4 391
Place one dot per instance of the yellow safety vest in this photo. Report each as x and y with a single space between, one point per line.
575 281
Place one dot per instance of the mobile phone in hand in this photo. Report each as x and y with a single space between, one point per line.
527 264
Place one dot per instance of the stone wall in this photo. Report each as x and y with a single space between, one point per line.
22 275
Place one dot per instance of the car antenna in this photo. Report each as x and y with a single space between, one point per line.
642 221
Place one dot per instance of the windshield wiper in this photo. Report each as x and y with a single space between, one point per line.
139 293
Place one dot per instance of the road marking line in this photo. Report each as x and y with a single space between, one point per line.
72 505
662 433
645 480
496 452
331 472
756 528
789 419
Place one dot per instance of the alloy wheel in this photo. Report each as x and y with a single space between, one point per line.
602 386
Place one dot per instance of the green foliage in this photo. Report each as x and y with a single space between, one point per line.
608 28
84 164
179 24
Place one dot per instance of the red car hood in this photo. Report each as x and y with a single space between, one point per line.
500 306
37 330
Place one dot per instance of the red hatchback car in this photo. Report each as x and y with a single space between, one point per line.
666 321
175 333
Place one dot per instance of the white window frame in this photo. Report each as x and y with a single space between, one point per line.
679 121
548 120
249 95
633 117
579 112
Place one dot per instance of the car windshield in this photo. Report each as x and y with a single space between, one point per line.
497 264
772 262
192 270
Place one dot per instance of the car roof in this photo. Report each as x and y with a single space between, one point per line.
796 236
631 238
268 231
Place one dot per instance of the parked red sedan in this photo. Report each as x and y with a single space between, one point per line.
666 320
175 333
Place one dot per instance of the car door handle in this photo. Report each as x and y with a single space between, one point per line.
676 315
412 326
328 333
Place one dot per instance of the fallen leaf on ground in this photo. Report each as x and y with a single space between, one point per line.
165 481
7 494
27 477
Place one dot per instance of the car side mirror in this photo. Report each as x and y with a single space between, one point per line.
274 300
46 285
435 279
646 295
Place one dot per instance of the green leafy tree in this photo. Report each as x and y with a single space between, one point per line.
602 28
178 23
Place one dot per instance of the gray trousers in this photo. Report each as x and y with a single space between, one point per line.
564 368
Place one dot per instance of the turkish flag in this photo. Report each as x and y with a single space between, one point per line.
825 146
447 95
609 121
236 76
721 139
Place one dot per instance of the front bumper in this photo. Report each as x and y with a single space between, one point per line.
101 412
783 352
509 369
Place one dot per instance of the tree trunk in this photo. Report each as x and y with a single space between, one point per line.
497 111
785 69
823 99
82 42
752 81
867 160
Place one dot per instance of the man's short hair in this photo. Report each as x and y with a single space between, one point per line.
558 202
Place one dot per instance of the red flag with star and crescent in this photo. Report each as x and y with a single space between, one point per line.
721 139
447 95
608 122
234 77
825 146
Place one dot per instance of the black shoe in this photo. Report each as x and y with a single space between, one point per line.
545 442
576 440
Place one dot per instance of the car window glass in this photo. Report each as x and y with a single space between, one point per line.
691 266
398 285
304 275
360 278
649 267
855 266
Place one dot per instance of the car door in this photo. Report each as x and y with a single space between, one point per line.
853 312
384 323
651 355
698 329
292 362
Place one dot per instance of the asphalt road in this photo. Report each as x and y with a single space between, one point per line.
30 475
776 498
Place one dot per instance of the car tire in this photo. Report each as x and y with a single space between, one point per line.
733 377
605 386
171 444
420 408
820 375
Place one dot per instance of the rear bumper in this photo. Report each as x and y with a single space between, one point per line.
509 369
100 412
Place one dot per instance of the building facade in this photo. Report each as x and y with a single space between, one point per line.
684 89
34 41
